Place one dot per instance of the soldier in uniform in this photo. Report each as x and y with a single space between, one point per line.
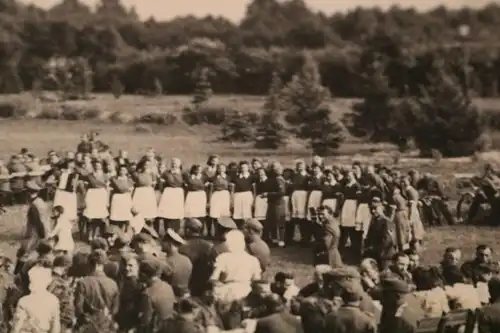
225 224
96 297
349 318
156 303
179 264
38 217
278 320
255 245
484 256
489 315
397 314
198 251
276 206
61 288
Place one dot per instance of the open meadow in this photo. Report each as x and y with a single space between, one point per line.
194 143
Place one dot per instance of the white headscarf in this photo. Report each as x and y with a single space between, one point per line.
39 278
235 241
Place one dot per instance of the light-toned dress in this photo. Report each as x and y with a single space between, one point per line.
37 312
63 231
434 302
237 271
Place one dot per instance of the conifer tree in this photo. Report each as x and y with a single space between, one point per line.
323 135
271 132
203 88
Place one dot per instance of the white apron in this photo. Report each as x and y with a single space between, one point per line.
171 204
332 203
144 201
299 204
242 204
348 214
363 218
68 201
314 201
232 291
96 203
220 204
121 207
196 204
260 209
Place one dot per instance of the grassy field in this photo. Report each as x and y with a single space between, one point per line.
194 144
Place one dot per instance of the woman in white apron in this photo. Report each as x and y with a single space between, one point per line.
195 205
62 233
314 198
260 205
350 193
65 195
171 205
243 188
363 213
298 202
417 227
331 192
220 198
96 201
144 197
121 199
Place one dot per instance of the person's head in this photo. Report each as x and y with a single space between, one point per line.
325 213
282 281
149 269
57 211
414 258
39 278
213 160
61 265
122 171
244 167
377 207
330 177
235 241
143 243
130 265
316 169
252 229
256 164
193 227
273 304
122 153
99 243
262 174
172 241
277 168
175 164
300 166
401 262
195 170
484 254
369 268
221 169
85 138
452 256
261 288
150 153
97 260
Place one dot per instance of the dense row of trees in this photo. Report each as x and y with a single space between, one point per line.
117 44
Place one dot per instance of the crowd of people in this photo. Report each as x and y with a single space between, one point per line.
175 251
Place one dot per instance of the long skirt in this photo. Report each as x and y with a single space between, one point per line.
332 203
196 204
96 203
121 207
68 201
260 209
363 218
242 203
288 211
417 227
171 204
220 204
313 202
144 201
348 214
299 204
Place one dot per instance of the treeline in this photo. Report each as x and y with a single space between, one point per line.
143 55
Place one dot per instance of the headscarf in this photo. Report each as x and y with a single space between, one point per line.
235 241
39 278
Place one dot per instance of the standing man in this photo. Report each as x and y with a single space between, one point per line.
255 245
274 228
179 264
38 218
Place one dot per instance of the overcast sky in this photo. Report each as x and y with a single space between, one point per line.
235 9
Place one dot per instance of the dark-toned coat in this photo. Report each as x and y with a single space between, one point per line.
156 305
489 318
282 322
350 319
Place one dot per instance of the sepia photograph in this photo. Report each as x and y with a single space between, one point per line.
249 166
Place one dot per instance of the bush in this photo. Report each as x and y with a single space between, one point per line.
158 118
77 113
143 128
119 117
209 115
12 109
52 112
238 127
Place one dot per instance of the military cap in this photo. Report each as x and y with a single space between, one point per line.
351 291
395 285
172 237
122 240
63 261
193 224
146 229
142 237
227 223
150 267
254 224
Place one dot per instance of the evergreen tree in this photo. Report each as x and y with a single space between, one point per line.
237 128
305 92
117 87
324 136
371 117
203 88
446 119
271 132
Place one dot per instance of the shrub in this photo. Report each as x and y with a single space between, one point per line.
209 115
143 128
76 112
119 117
12 109
157 118
52 112
238 127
